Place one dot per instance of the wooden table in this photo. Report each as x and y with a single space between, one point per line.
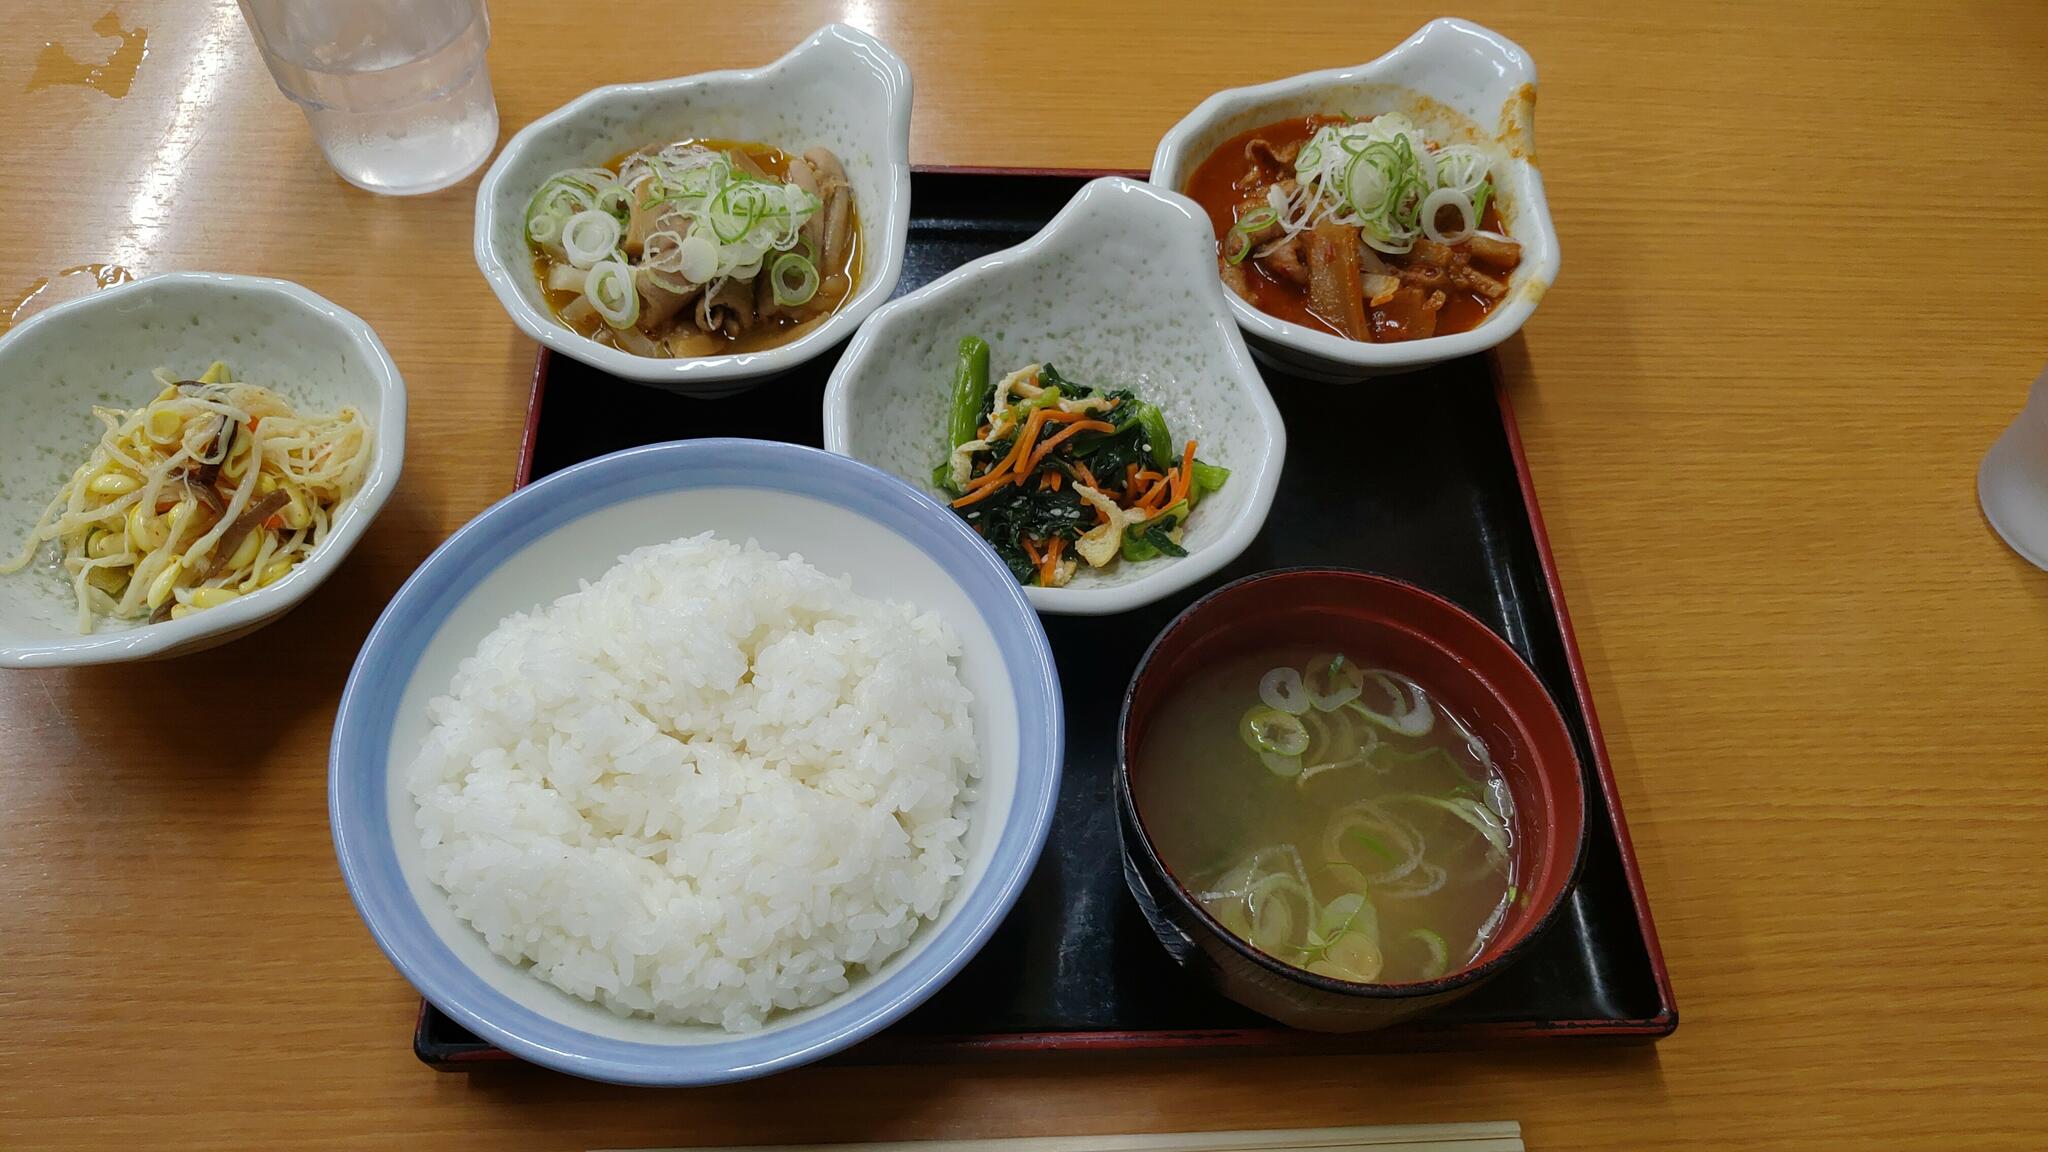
1754 404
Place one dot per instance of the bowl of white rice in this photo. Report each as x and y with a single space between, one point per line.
696 762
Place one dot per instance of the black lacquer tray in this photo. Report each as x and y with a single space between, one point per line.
1421 479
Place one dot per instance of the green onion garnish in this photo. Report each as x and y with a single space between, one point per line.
791 294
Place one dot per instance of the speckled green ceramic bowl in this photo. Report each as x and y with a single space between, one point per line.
1121 288
840 88
102 350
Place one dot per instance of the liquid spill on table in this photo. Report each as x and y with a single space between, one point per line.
55 65
45 291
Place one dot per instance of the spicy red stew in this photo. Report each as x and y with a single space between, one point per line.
1307 254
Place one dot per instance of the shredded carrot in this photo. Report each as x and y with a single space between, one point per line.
1055 479
1020 451
978 494
1149 500
1018 447
1130 478
1051 565
1045 479
1064 434
1030 549
1187 474
1085 476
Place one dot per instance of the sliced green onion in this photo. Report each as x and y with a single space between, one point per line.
615 201
1439 952
610 290
1411 714
1480 200
714 223
1379 175
1237 243
1258 219
1267 729
1436 202
1273 920
1236 246
560 197
1281 765
590 236
728 221
789 294
1331 681
1352 956
1347 913
1483 820
1281 688
1358 834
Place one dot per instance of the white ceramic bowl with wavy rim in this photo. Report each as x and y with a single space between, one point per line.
841 88
101 350
1460 83
1120 288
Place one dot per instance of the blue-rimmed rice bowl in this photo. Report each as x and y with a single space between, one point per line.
532 548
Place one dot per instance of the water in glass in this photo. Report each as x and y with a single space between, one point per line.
397 91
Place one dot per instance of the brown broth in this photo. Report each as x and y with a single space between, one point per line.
1215 185
772 334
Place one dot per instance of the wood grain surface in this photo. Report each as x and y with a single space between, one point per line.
1805 284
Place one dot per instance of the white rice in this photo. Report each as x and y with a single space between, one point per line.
712 785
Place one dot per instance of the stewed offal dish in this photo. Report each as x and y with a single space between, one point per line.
697 247
211 490
1364 228
1332 814
1055 474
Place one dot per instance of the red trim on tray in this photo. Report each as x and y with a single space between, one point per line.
1417 1036
1668 1018
527 438
887 1050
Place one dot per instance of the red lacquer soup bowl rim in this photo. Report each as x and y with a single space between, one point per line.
1457 647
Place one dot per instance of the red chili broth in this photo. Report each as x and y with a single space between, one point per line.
1215 186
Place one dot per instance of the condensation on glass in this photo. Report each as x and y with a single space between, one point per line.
398 92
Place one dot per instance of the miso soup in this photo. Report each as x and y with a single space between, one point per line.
1330 812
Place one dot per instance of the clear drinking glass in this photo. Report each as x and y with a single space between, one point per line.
2012 483
397 91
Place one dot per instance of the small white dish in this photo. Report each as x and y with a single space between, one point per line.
1460 83
1119 288
841 88
102 349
